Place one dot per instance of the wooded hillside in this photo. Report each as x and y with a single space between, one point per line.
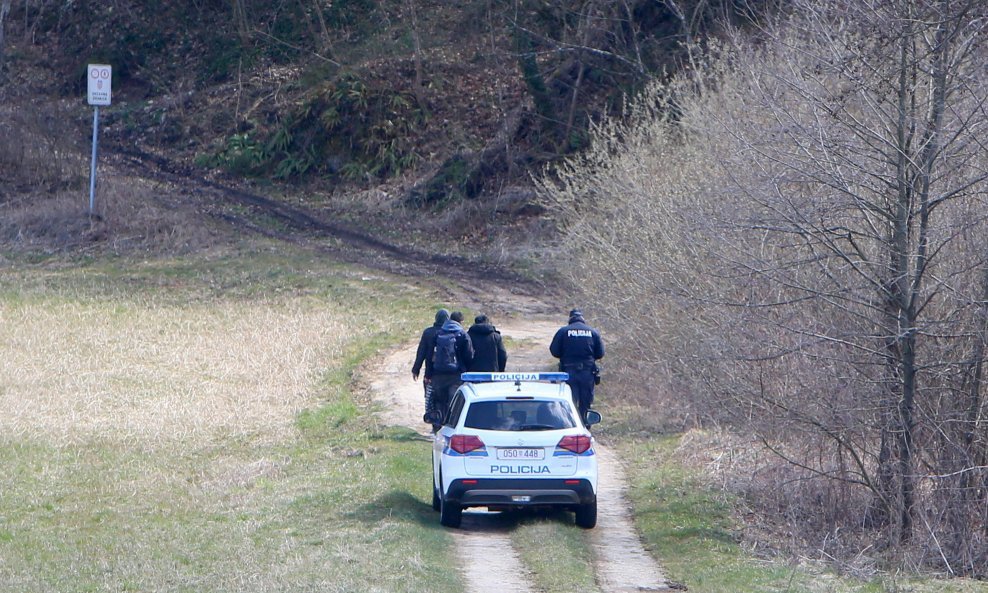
452 100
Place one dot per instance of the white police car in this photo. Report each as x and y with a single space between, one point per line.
514 440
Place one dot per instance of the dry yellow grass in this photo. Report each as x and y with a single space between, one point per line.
154 374
153 440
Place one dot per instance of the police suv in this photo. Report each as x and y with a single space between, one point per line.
514 440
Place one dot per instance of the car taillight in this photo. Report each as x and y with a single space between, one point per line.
577 443
464 443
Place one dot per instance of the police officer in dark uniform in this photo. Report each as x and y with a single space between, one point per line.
578 346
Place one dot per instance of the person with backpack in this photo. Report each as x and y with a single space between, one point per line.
578 348
488 349
423 355
452 353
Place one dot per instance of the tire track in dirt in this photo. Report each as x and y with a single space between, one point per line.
403 405
621 564
484 571
246 211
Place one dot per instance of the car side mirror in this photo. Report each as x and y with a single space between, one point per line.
593 417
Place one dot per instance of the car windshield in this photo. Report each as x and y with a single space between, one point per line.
519 415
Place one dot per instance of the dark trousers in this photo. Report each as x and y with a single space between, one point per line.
443 387
581 383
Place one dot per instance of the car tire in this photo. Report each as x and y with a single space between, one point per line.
586 515
450 513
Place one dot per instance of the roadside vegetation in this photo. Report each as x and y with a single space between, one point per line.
699 529
795 255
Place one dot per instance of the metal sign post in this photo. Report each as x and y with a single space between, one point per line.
92 167
99 77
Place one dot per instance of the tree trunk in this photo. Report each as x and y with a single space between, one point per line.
565 140
327 43
4 10
240 22
411 11
904 441
907 269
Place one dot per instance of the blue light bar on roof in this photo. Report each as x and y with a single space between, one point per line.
491 377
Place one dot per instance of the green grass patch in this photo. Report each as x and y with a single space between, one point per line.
556 552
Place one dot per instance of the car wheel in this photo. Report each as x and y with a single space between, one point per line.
586 515
450 513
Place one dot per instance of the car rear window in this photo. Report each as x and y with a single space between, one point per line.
519 415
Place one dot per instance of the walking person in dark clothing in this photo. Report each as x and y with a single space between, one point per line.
488 348
452 353
424 356
578 348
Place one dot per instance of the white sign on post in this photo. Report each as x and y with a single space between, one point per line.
99 76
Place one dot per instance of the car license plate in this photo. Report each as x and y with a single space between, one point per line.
521 453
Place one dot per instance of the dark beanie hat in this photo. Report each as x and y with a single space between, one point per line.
441 316
480 319
575 315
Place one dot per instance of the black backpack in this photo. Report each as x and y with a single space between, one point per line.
444 358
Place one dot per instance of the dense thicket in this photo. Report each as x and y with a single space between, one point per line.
794 241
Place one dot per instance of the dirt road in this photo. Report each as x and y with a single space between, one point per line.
621 564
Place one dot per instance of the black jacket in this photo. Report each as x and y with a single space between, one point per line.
488 349
576 345
426 343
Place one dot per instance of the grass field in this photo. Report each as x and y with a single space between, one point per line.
191 426
188 426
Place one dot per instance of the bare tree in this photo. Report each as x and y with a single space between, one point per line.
819 270
563 45
884 131
411 13
240 20
325 38
4 11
